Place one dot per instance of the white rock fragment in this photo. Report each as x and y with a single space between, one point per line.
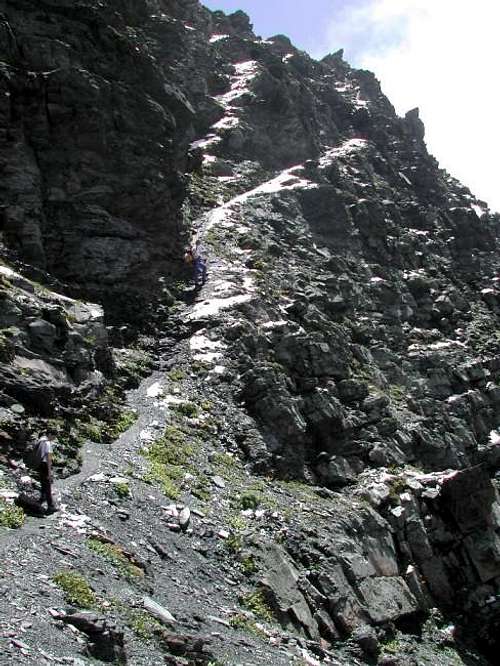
155 390
218 481
117 480
98 478
160 612
185 518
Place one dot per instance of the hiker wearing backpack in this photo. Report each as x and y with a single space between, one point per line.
39 458
196 257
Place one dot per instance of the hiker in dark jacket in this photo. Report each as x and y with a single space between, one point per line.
45 446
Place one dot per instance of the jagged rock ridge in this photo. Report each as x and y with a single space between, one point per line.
346 339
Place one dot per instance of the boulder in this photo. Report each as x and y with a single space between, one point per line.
280 583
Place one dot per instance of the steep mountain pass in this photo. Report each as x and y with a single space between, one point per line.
310 473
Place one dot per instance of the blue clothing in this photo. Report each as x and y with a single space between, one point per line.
200 271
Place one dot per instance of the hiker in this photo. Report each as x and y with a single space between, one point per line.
42 461
196 256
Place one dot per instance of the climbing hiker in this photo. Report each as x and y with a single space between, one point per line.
196 255
39 458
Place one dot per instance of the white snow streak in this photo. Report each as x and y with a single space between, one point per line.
217 38
478 210
211 307
345 149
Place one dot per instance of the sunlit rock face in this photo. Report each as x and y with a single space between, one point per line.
346 340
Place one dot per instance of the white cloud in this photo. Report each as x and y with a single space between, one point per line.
442 56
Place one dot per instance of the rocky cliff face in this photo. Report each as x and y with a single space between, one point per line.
323 414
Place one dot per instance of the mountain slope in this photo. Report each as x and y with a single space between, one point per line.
326 406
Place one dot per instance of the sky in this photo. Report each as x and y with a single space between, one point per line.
440 55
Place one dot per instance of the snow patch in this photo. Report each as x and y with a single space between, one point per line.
286 180
155 390
147 435
494 437
245 73
200 342
5 270
478 210
345 149
207 142
246 68
204 349
226 123
211 307
217 38
271 325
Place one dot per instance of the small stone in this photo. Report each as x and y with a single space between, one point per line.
174 527
98 478
224 534
248 513
184 518
17 408
198 513
218 481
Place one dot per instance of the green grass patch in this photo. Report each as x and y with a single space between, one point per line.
169 458
250 500
224 461
257 604
142 623
122 489
7 349
244 623
397 486
248 565
187 409
116 556
125 420
11 516
234 542
76 589
176 375
165 476
392 647
200 367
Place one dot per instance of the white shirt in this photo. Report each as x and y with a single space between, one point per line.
45 448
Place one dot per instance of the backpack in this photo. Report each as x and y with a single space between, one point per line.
32 455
